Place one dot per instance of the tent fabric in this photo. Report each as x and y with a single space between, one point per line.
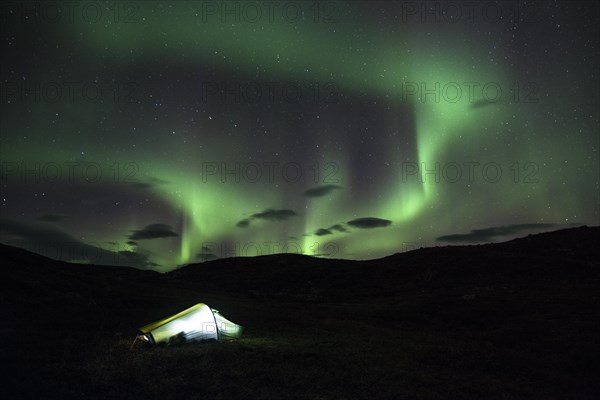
199 322
226 329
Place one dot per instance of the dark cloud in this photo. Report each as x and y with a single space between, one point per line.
492 233
51 218
338 227
132 243
329 231
243 223
153 231
269 215
275 215
54 243
369 222
158 181
320 191
207 253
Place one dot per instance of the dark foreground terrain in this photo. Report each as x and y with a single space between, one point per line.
516 320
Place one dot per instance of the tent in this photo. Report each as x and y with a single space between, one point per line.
199 322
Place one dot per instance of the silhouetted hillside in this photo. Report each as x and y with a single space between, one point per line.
554 255
510 320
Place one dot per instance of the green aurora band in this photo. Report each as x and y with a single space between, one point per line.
386 66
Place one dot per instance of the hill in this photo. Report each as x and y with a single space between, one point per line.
510 320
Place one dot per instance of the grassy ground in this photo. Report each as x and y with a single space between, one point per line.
415 326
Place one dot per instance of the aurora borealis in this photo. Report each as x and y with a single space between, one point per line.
156 134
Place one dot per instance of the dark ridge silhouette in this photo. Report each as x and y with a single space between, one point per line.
517 319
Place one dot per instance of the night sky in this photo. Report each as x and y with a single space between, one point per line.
155 134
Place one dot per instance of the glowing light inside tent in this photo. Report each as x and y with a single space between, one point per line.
198 322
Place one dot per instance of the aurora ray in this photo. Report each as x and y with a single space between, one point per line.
391 114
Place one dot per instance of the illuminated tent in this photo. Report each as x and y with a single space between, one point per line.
199 322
